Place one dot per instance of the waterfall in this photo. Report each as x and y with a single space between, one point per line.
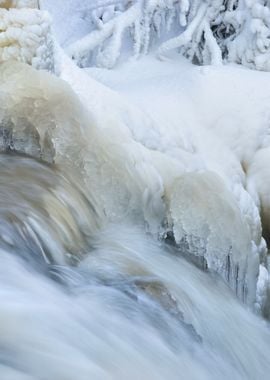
115 263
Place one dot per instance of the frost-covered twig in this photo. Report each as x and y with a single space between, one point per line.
114 28
205 31
141 18
186 36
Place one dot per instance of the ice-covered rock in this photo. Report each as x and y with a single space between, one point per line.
258 180
31 111
43 117
208 227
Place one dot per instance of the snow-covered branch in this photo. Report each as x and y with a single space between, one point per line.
138 20
184 38
205 31
114 29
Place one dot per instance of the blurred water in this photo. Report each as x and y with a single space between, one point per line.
82 302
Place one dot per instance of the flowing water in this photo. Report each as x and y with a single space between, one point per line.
85 291
115 304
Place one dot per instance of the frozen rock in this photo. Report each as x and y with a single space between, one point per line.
208 227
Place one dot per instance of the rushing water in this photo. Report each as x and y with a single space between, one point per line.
85 291
113 304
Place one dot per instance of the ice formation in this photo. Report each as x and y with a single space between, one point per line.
208 228
25 35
